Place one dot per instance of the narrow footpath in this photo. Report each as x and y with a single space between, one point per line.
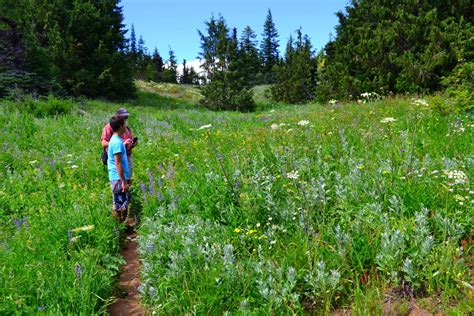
128 303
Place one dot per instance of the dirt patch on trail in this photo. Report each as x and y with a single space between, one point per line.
128 303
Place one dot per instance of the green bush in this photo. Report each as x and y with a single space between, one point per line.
460 86
441 105
220 95
47 107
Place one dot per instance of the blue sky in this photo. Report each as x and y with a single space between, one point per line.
164 23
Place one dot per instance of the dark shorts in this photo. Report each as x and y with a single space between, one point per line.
121 199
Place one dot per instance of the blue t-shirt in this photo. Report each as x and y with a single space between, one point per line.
116 146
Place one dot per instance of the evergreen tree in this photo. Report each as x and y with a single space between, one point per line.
80 45
185 77
226 87
133 47
194 76
269 47
214 46
170 73
249 55
295 76
158 65
400 47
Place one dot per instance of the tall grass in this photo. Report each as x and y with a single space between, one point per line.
291 210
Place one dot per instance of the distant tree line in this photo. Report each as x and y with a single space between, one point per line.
66 47
405 46
388 47
233 64
152 67
80 48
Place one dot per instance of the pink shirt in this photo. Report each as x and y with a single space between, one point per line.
107 133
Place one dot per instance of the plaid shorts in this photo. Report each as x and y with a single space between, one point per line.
120 199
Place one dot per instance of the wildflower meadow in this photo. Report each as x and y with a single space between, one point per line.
294 209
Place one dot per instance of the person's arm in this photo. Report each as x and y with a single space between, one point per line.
106 135
118 165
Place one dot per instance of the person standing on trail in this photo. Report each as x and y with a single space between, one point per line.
127 137
117 165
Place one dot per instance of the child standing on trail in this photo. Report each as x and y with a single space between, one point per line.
127 137
119 171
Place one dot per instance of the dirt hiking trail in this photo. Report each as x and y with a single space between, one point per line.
128 302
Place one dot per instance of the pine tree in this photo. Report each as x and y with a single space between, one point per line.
269 47
226 87
141 50
387 46
171 70
250 55
295 76
185 78
81 45
194 76
133 47
158 65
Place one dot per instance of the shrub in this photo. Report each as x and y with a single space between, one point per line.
221 95
47 107
441 105
460 86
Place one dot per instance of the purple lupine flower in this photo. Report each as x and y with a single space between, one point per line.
191 167
17 223
78 270
159 196
160 166
402 150
150 247
171 174
152 181
159 182
143 187
69 234
237 184
41 308
52 163
60 154
151 178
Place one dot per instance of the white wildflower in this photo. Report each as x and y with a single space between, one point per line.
332 102
303 123
388 120
74 167
419 102
458 176
275 127
293 175
33 161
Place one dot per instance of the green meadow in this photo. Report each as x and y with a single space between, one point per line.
292 209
